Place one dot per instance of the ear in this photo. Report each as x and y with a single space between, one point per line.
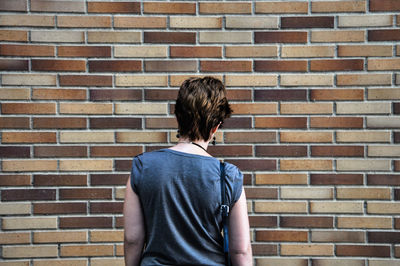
214 129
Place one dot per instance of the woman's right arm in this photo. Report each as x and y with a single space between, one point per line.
239 233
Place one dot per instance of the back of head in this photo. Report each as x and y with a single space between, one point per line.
201 105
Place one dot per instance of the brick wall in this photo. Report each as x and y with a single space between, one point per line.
86 85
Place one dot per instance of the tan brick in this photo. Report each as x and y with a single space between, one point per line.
140 22
383 151
86 165
255 108
383 122
76 6
86 137
120 193
336 207
337 262
251 22
306 193
280 207
277 7
141 80
84 21
337 36
15 238
306 165
339 6
57 36
225 37
251 51
60 237
86 108
363 79
14 35
362 136
30 251
364 222
306 108
195 22
114 37
384 94
281 262
250 80
107 236
141 108
29 165
141 137
365 21
176 80
29 223
169 8
383 262
106 262
363 165
338 236
383 64
15 208
281 179
86 250
225 8
311 137
307 250
363 193
308 51
140 51
383 207
27 20
14 94
363 108
28 79
58 262
119 250
252 137
15 263
365 50
306 80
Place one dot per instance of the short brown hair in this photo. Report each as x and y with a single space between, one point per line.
201 105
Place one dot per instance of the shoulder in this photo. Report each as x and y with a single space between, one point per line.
233 172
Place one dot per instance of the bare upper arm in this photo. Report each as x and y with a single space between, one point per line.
134 228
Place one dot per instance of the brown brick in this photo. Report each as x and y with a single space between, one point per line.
336 122
225 8
84 51
363 250
263 221
123 165
281 179
114 7
383 35
337 95
383 237
281 151
280 66
160 95
26 50
29 137
337 151
28 108
16 5
226 66
230 151
14 122
115 65
238 95
15 238
59 180
170 37
103 123
397 223
250 137
58 6
108 179
280 37
384 5
282 236
277 7
336 179
84 21
338 236
85 193
15 180
383 179
58 94
116 95
59 122
85 80
363 79
86 250
280 95
254 164
338 6
28 194
60 151
307 22
396 137
261 193
264 249
238 122
365 50
114 37
281 122
115 151
396 108
106 207
195 51
60 237
59 208
161 123
15 152
13 65
140 22
170 66
85 222
169 8
337 65
306 221
14 35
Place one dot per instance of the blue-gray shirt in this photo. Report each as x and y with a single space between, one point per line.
180 194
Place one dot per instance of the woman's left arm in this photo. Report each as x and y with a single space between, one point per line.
134 228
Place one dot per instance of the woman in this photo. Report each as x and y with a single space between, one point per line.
173 197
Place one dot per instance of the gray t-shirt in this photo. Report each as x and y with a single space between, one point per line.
180 194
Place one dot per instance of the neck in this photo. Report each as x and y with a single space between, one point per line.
199 143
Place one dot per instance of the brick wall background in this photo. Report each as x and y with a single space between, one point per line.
86 85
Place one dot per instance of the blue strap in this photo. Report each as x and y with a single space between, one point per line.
225 216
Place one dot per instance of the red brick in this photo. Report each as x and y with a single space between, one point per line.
261 193
195 51
280 37
263 221
384 5
226 66
280 65
14 122
85 193
15 152
281 122
106 207
160 95
307 22
59 122
383 35
230 151
13 64
281 151
85 80
254 164
59 208
337 95
15 180
169 8
84 51
115 151
282 236
363 250
170 37
108 179
14 35
120 122
57 6
337 151
59 180
26 50
28 194
239 95
14 5
336 122
115 65
337 65
116 95
28 108
58 94
58 65
60 151
280 95
114 7
170 66
306 221
29 137
85 222
383 179
264 249
336 179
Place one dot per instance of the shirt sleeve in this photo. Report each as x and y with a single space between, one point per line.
136 173
234 184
